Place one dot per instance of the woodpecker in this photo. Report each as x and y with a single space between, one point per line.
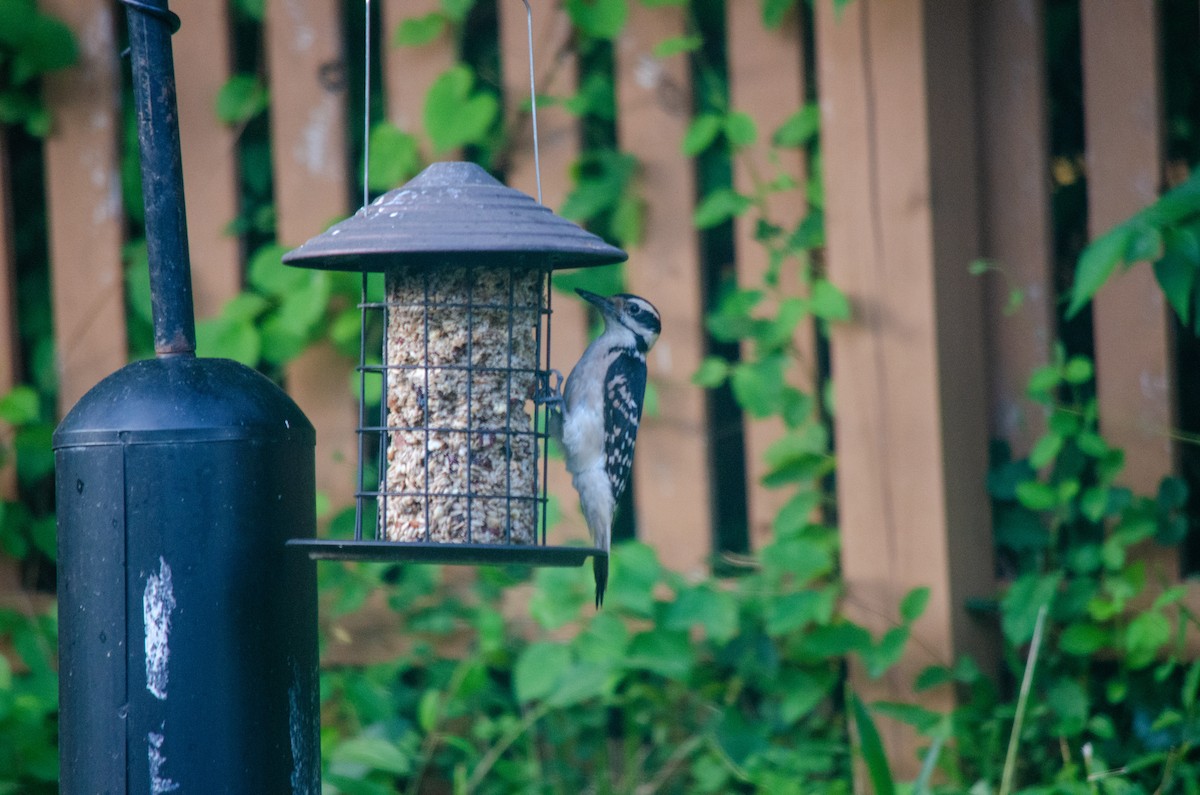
600 410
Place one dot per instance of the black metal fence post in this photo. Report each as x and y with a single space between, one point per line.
187 629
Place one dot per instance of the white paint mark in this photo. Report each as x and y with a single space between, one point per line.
158 783
648 72
157 603
312 151
299 720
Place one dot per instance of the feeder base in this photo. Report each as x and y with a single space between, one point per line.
453 554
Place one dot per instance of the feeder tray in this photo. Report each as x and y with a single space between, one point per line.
458 450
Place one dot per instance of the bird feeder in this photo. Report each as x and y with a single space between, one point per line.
463 372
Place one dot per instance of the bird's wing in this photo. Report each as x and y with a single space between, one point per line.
625 386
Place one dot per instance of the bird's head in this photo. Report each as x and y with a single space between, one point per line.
627 314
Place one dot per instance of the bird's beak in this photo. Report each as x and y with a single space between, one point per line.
605 305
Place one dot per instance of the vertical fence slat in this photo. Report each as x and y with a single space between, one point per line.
308 129
766 79
672 468
1123 114
83 202
1015 205
210 174
9 343
408 72
898 131
558 134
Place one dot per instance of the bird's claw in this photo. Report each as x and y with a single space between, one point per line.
548 395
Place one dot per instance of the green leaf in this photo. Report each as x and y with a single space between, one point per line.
700 134
241 98
602 178
1045 450
604 640
1176 270
800 128
539 670
676 45
18 17
1145 635
740 129
1172 493
267 273
913 604
601 19
237 340
828 302
712 373
628 218
790 612
635 572
44 532
1096 264
583 682
774 11
1068 700
714 611
1036 496
35 457
375 753
559 596
20 406
921 719
1083 640
455 113
1145 243
871 747
1191 683
881 658
48 45
668 654
837 640
457 10
758 385
1078 370
429 710
1020 605
718 207
394 157
419 31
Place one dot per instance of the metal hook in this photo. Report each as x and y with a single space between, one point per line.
537 165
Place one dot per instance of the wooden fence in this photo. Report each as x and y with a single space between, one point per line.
935 153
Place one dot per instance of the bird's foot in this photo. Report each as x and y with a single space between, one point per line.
547 394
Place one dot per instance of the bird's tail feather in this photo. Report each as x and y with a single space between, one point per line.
600 569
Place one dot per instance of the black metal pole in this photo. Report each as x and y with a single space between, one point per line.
187 628
150 28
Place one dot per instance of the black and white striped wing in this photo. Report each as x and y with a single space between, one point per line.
624 388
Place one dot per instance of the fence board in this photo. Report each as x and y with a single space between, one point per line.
766 79
1015 203
210 174
83 203
408 72
671 475
558 134
910 414
308 128
1123 113
10 349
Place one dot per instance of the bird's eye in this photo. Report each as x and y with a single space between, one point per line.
634 310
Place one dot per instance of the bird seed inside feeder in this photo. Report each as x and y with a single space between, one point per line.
461 354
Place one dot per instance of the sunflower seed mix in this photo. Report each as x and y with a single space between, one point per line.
460 442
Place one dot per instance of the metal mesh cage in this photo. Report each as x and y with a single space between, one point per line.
455 344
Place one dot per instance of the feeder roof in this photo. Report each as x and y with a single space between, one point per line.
453 214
